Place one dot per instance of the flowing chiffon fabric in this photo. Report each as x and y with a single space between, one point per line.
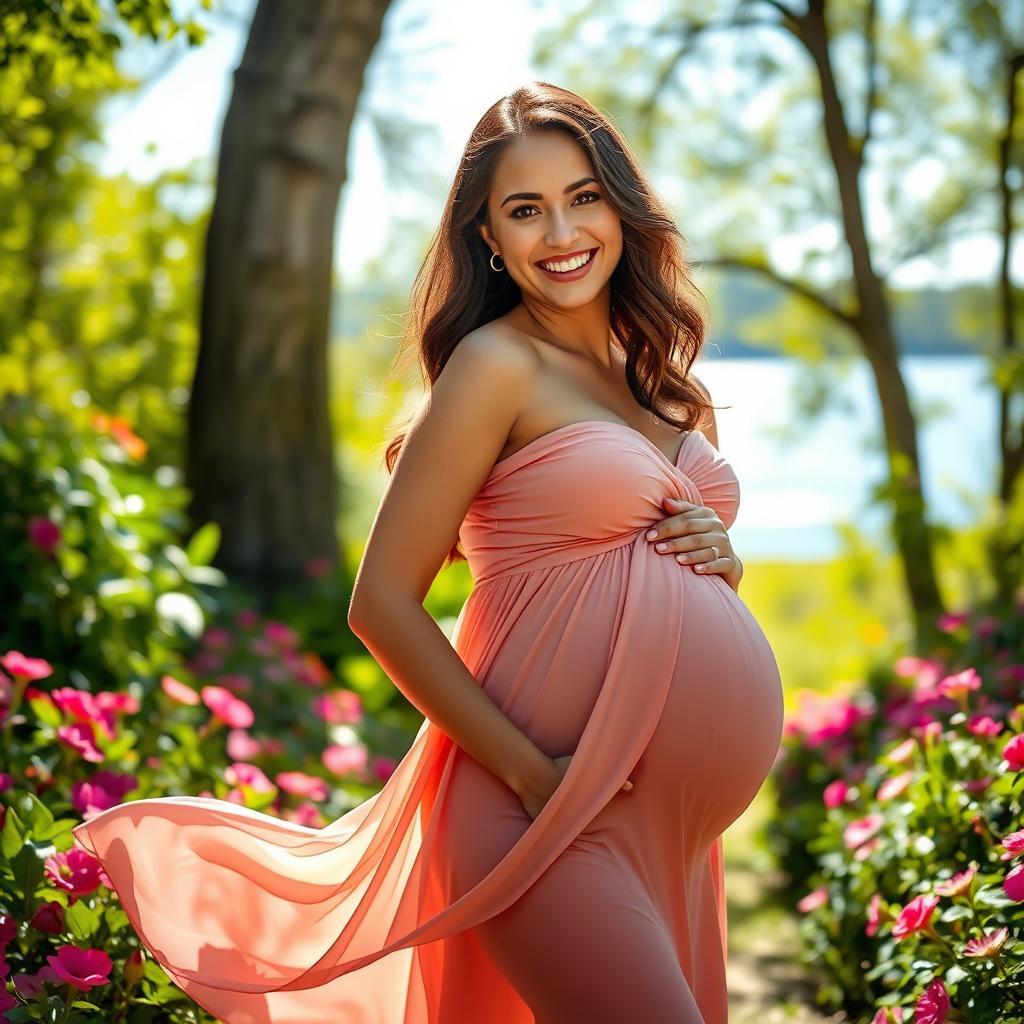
439 900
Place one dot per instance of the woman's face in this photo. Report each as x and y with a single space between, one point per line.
563 215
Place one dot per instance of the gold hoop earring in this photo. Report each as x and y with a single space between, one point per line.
491 261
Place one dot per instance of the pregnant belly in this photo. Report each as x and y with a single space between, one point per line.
720 729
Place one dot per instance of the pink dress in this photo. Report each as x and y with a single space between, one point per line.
439 900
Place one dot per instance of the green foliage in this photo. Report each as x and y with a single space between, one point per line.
145 668
887 792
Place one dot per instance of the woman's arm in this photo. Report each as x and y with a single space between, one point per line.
447 455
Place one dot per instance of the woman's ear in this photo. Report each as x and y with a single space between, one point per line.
485 234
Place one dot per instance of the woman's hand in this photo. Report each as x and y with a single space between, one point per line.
696 536
534 800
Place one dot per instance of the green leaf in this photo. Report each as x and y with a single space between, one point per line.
13 838
204 543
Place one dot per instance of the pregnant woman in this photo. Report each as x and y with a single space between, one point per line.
549 850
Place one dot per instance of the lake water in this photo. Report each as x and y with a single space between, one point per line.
798 481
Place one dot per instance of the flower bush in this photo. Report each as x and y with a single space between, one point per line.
900 823
128 669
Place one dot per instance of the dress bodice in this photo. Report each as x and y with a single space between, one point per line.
583 488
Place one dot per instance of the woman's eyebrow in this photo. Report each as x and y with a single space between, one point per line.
536 195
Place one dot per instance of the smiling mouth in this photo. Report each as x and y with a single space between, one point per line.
576 262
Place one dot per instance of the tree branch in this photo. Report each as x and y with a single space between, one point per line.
805 291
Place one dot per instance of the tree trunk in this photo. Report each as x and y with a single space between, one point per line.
874 328
260 452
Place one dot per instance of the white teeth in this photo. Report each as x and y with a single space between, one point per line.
576 261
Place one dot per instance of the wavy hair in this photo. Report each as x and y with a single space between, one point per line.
658 315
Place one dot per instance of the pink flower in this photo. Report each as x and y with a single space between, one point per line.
80 737
306 814
339 707
8 929
30 985
301 784
932 1005
894 786
986 626
280 635
1014 842
915 916
6 781
241 746
43 533
49 918
877 914
958 883
227 707
343 759
903 752
814 899
835 793
247 618
862 829
217 638
951 621
1013 884
988 945
310 670
384 767
976 785
102 791
82 968
82 706
960 684
240 773
178 691
236 682
1013 752
75 871
19 666
984 725
888 1015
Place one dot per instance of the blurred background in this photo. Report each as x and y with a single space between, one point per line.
211 214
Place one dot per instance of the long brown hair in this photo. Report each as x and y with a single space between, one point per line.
658 315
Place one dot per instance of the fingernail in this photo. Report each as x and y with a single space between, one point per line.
651 534
662 546
699 568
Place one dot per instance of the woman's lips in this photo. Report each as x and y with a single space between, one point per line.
571 275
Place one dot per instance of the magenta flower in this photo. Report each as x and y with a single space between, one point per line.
227 707
82 706
988 945
30 985
1013 884
1013 752
19 666
306 814
888 1015
82 968
384 767
217 638
117 702
43 534
301 784
49 918
862 829
960 684
915 916
1014 842
342 759
281 635
932 1005
80 737
8 929
835 794
814 899
984 725
178 691
6 781
75 871
951 621
102 791
242 774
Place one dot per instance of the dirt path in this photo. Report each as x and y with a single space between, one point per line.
767 983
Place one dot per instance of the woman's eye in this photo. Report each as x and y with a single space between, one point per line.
519 209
